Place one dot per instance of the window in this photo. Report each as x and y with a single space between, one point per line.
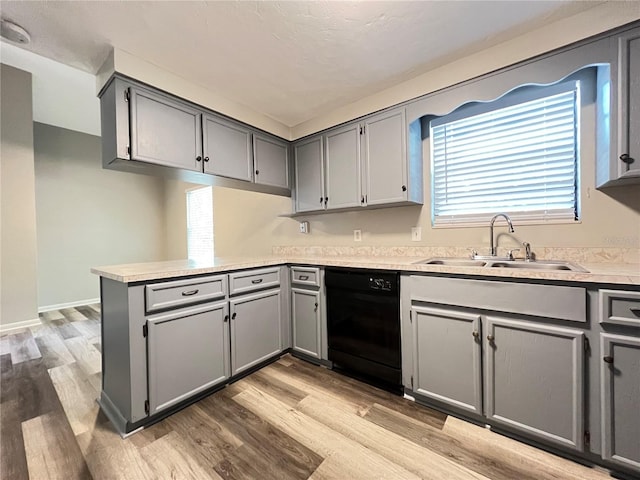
518 155
200 224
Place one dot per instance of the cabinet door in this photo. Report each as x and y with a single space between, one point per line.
255 329
164 131
447 357
342 167
620 390
271 161
534 379
305 311
227 149
188 352
386 158
309 175
629 104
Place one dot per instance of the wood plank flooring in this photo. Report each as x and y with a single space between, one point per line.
290 420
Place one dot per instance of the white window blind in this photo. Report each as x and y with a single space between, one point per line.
200 224
517 155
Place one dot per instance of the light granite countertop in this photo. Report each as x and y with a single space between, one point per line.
623 273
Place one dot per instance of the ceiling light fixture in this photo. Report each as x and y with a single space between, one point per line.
14 32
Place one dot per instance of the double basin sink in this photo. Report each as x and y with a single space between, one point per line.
553 265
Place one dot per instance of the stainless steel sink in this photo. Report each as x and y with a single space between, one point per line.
454 262
553 265
539 265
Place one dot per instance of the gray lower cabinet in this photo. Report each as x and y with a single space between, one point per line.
306 319
309 178
620 399
226 148
164 131
256 329
534 379
342 167
271 161
447 364
188 352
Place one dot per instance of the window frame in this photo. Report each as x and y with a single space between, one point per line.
586 80
188 192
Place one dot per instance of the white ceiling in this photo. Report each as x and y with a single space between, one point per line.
292 60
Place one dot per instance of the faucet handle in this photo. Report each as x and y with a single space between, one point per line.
528 254
510 253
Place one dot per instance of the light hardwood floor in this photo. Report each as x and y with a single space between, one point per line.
290 420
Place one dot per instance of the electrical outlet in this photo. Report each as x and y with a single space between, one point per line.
304 227
357 235
416 234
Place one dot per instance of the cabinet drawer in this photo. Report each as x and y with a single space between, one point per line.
305 276
160 296
242 282
620 308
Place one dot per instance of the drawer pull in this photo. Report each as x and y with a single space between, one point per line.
233 317
635 311
608 359
491 338
256 281
475 334
188 293
315 307
304 277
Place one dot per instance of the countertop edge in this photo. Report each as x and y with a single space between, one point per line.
598 273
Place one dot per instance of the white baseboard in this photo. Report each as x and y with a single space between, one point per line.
59 306
9 327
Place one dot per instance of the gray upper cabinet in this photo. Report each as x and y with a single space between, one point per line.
309 175
271 161
629 105
188 352
164 131
619 143
385 153
363 164
256 329
147 131
447 357
620 390
534 379
342 167
226 148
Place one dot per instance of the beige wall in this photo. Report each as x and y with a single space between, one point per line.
88 216
18 292
175 211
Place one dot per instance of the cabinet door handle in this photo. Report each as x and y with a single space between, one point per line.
304 277
257 172
226 318
362 200
404 188
491 338
206 159
320 200
475 334
233 317
256 281
315 308
188 293
608 359
198 158
326 199
626 158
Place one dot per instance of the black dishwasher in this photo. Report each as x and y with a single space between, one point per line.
363 325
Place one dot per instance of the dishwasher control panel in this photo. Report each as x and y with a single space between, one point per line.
380 284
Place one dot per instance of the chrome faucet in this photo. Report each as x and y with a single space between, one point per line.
493 250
